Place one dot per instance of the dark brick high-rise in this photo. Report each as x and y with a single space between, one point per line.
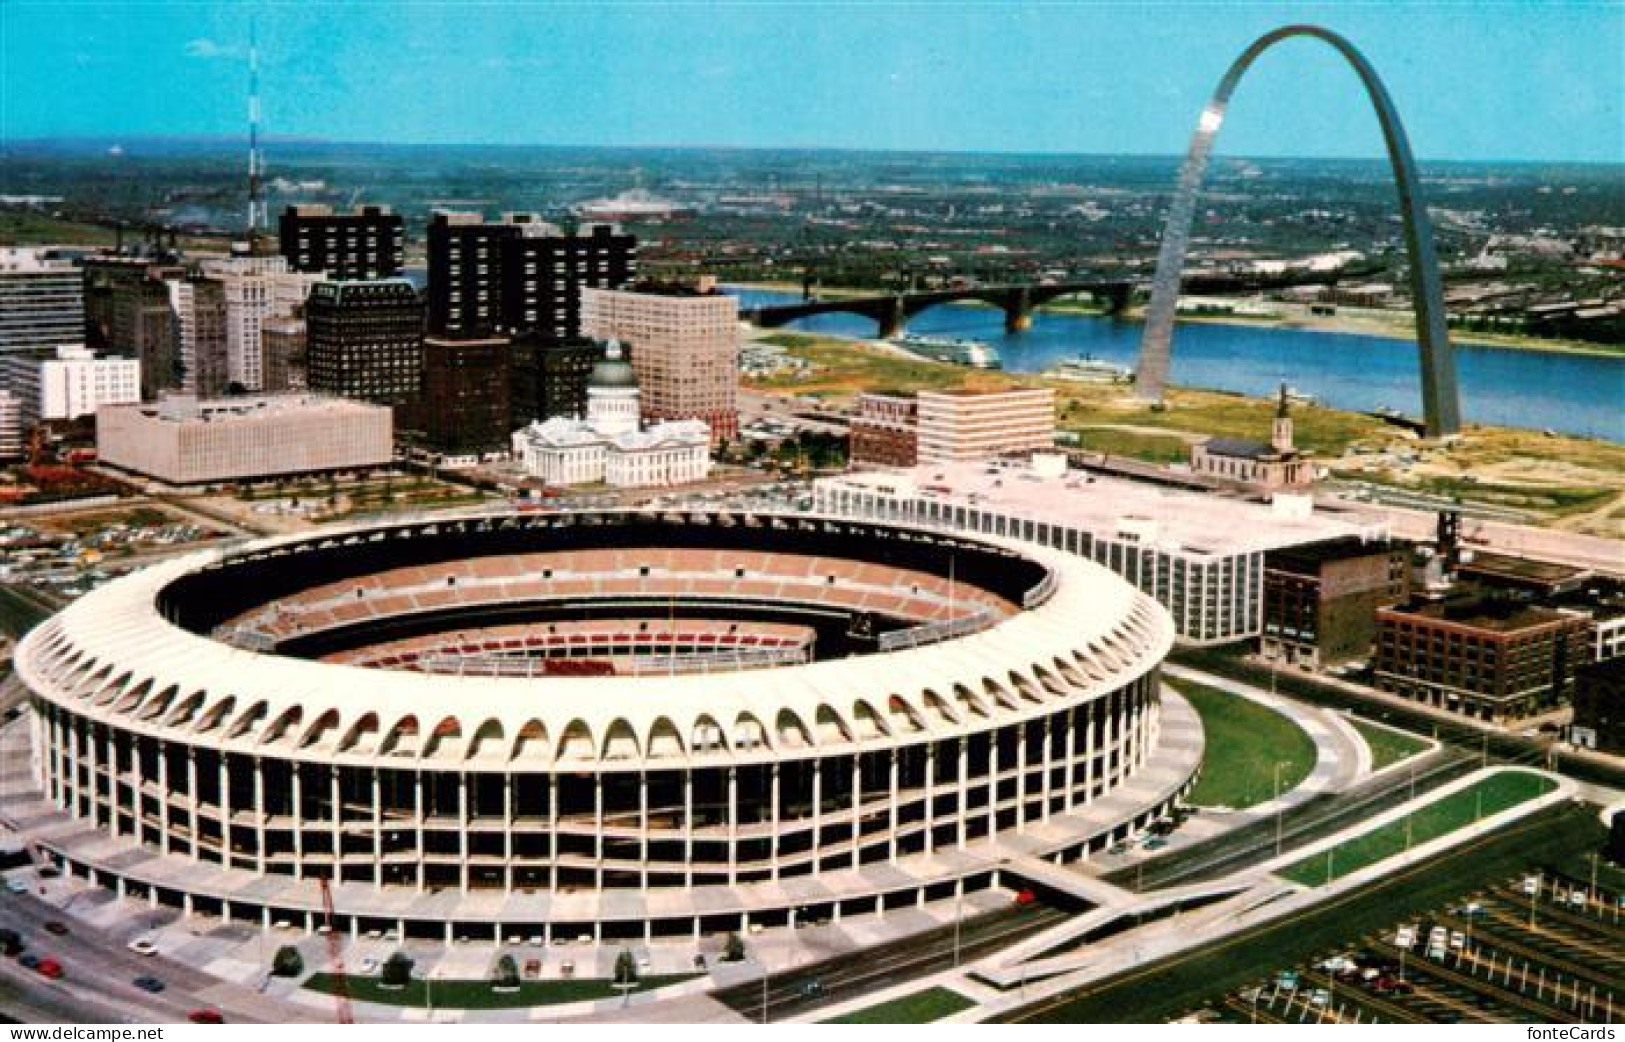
550 377
364 340
367 243
465 395
519 274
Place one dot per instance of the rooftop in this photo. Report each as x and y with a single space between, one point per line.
1485 613
1307 556
1171 519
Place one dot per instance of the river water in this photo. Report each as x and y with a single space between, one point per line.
1574 394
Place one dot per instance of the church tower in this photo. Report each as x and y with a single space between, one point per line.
1281 435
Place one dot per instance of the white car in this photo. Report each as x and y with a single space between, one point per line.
17 886
142 946
369 965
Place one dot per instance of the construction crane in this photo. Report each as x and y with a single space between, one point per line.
335 954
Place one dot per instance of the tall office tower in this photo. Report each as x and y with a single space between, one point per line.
283 340
543 275
369 242
42 302
465 274
685 348
550 377
464 409
199 304
519 274
256 288
364 340
128 311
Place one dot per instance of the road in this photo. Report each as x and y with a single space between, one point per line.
846 977
1321 816
1167 987
97 988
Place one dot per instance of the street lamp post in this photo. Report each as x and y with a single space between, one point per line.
1278 765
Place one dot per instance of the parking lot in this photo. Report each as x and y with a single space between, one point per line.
1541 947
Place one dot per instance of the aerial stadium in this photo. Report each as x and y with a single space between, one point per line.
615 725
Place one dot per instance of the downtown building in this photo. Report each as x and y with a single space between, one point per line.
1200 556
130 310
367 243
961 425
69 383
42 302
465 412
549 377
183 441
684 344
255 290
885 431
1321 599
519 274
364 340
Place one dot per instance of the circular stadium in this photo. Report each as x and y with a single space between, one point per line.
618 724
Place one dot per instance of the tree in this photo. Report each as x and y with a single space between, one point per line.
507 972
733 949
626 968
397 971
288 962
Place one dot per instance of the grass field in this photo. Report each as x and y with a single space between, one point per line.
478 994
1438 818
922 1007
1387 746
1244 742
1152 448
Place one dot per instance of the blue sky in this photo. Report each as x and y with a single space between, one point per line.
1479 80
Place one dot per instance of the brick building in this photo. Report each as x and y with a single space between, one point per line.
1489 658
1599 707
1321 599
886 429
465 408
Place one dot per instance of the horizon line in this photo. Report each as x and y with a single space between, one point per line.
235 139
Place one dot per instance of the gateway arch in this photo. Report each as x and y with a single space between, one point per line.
1440 402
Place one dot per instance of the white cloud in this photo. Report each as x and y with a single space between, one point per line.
203 47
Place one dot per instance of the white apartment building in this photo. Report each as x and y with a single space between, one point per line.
12 446
186 441
685 348
975 425
1201 556
70 383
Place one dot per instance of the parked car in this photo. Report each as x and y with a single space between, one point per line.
17 886
205 1016
57 927
11 942
49 967
28 961
150 985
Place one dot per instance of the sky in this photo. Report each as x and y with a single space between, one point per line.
1473 81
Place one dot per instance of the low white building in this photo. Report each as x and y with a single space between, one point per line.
69 383
187 441
608 445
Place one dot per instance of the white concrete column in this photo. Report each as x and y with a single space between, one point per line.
817 812
113 783
733 823
224 784
298 823
598 829
335 801
894 802
994 767
553 830
163 797
377 828
1021 776
1090 749
507 828
1049 763
773 838
259 810
857 804
688 830
930 804
643 835
463 869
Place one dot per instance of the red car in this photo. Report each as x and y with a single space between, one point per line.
205 1016
1025 897
49 967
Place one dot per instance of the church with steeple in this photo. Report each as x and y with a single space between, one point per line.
1277 465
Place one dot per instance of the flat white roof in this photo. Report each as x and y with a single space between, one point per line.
1169 518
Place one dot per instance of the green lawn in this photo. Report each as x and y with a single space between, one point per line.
1387 746
1244 742
478 994
922 1007
1152 448
1435 819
